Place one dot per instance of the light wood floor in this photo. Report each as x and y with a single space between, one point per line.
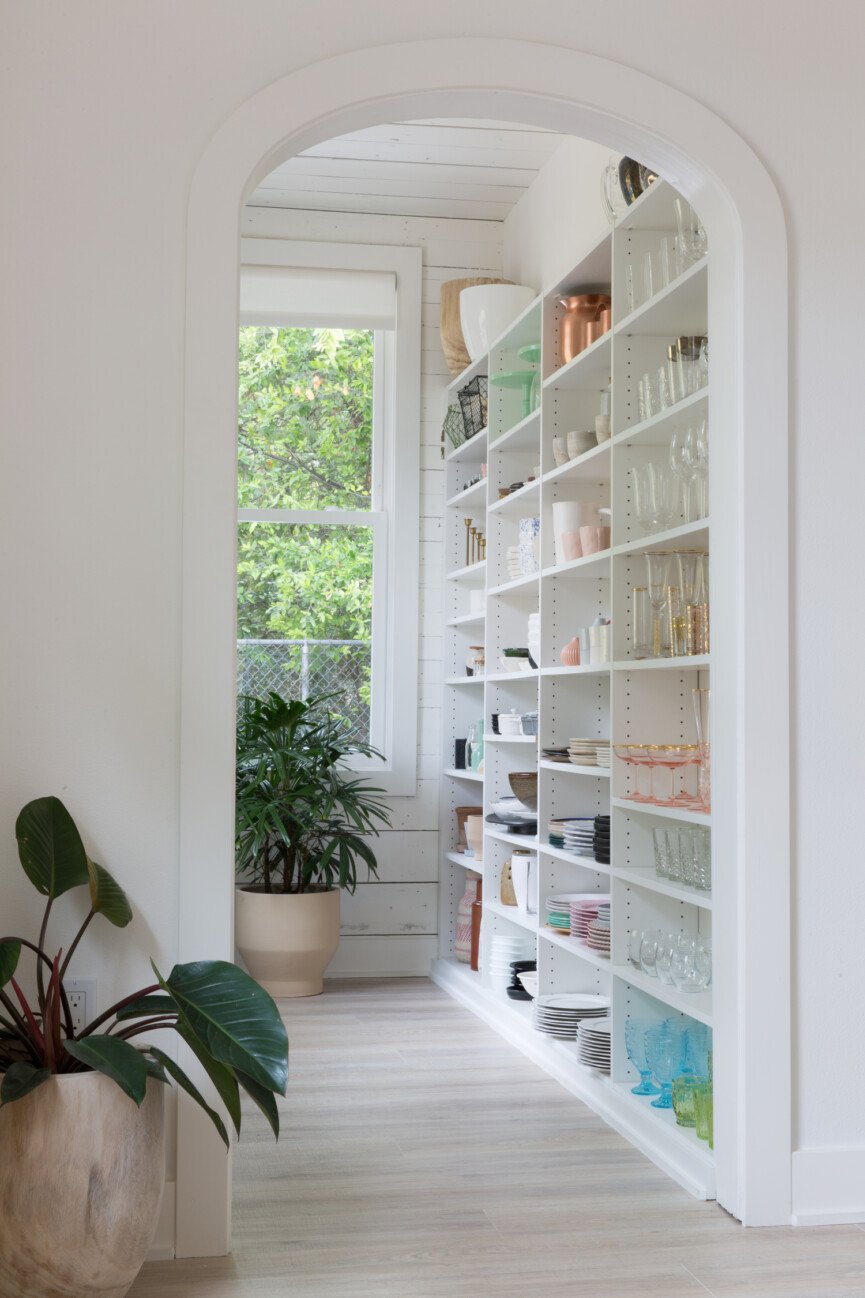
423 1157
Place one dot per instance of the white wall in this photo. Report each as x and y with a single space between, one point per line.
389 926
105 107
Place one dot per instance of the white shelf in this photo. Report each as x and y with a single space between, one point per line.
516 501
571 768
696 534
697 1005
511 739
518 583
688 663
590 565
590 368
575 948
591 466
656 430
503 678
474 494
520 331
654 883
467 862
470 372
467 619
464 680
455 774
585 862
528 841
589 669
473 449
522 436
475 573
666 813
679 309
513 914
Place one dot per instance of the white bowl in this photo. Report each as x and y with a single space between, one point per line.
486 311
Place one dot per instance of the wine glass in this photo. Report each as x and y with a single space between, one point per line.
654 496
657 581
683 462
665 1048
635 1044
695 456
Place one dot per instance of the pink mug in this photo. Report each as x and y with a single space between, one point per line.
571 545
593 539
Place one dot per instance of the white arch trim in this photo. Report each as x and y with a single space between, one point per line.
582 95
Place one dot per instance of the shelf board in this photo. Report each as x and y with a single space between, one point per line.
516 840
697 1005
666 1120
520 331
574 947
474 493
475 572
586 862
467 619
515 500
510 739
512 913
680 308
590 368
518 584
696 533
590 566
522 436
643 213
571 768
666 813
656 430
587 669
505 678
654 883
591 466
463 775
467 862
464 680
470 372
473 449
692 662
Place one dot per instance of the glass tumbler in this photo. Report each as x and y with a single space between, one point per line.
662 854
674 853
702 717
689 347
704 1113
648 954
640 623
685 1099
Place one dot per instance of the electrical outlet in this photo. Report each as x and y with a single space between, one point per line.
81 994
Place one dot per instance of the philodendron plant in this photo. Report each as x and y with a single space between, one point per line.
228 1021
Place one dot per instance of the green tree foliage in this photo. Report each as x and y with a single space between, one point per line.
304 442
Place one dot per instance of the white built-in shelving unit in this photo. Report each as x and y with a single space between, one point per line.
646 701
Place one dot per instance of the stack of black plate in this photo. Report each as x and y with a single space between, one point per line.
601 840
516 991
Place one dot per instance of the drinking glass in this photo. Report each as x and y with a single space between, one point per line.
702 717
650 274
635 1044
665 1045
612 198
676 627
684 463
648 954
669 269
655 496
703 1113
662 852
647 397
703 961
690 233
689 347
695 461
674 853
658 572
685 1099
632 287
635 941
664 953
698 1048
640 632
684 968
689 849
702 860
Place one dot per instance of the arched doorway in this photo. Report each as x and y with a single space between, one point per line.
580 95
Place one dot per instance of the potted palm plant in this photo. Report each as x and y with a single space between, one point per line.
81 1129
303 824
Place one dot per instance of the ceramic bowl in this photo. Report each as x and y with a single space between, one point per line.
524 785
486 310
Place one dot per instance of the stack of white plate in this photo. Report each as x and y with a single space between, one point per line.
502 951
589 752
561 1014
580 836
593 1044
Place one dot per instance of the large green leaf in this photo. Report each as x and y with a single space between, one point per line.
233 1018
107 897
115 1058
221 1075
182 1080
20 1079
50 847
263 1099
10 953
147 1007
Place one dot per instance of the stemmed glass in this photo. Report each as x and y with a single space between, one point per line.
682 464
654 496
691 233
702 718
665 1049
635 1044
696 460
658 577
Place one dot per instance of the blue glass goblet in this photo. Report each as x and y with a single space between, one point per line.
665 1051
635 1044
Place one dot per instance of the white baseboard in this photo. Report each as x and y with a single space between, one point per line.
829 1186
384 957
162 1248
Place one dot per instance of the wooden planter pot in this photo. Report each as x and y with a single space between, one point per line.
81 1175
287 940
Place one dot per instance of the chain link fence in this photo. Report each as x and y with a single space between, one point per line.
297 669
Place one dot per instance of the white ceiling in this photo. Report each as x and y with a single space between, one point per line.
444 167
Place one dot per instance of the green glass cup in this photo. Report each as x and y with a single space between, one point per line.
703 1112
684 1099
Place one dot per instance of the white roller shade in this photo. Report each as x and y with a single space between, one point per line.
307 297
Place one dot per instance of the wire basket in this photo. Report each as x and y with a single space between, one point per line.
454 426
473 403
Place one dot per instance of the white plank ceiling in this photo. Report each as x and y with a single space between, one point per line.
444 167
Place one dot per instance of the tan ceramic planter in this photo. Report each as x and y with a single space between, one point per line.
287 940
81 1175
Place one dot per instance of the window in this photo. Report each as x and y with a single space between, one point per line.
327 445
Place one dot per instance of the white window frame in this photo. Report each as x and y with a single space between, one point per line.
395 505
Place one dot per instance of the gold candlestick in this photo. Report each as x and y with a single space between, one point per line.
468 523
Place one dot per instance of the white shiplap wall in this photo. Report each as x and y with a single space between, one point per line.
389 926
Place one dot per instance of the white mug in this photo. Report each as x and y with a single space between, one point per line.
579 442
560 451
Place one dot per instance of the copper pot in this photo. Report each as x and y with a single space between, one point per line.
580 323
